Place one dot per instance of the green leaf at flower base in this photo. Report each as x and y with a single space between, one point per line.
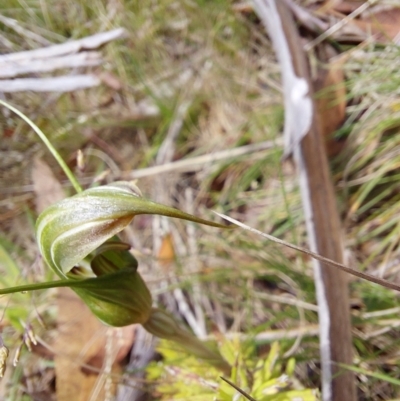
117 299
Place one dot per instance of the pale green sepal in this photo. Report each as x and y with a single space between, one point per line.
71 229
117 299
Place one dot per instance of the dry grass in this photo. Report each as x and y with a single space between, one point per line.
197 78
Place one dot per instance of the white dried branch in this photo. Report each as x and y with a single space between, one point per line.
298 104
199 162
273 335
54 84
11 69
89 43
132 387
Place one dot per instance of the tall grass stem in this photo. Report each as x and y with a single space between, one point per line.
46 141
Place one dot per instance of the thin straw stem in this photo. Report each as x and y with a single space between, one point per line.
45 140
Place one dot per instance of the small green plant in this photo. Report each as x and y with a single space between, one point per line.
180 377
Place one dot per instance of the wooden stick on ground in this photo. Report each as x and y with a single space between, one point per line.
52 84
88 43
322 220
72 54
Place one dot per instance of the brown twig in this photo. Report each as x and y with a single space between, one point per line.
303 132
326 261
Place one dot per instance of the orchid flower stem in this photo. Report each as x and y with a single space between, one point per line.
34 287
88 283
45 140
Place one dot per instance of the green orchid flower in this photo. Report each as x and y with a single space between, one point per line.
77 239
71 229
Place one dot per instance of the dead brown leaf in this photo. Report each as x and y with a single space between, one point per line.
77 328
166 253
384 24
347 7
82 351
381 22
123 338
